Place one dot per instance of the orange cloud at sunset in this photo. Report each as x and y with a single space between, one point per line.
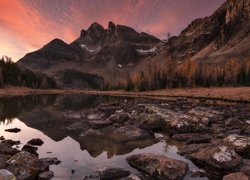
27 25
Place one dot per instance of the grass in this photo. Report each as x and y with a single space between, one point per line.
241 94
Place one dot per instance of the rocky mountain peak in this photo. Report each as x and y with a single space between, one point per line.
111 28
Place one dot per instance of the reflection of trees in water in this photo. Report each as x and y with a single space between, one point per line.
11 107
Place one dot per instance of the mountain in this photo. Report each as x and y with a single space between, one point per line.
119 51
98 51
221 36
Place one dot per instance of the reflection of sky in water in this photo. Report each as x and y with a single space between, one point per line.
73 158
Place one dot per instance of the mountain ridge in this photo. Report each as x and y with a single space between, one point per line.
119 51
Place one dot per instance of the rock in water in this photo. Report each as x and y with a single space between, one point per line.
158 166
113 173
46 175
14 130
26 165
35 142
236 176
30 149
216 156
6 175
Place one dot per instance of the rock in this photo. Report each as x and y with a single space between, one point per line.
133 177
13 130
236 176
193 138
113 173
233 122
7 149
3 160
120 117
46 175
158 166
2 138
246 167
26 165
50 160
11 142
129 133
239 143
195 120
151 122
6 175
217 156
96 124
30 149
35 142
159 137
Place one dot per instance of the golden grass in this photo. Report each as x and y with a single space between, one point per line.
223 93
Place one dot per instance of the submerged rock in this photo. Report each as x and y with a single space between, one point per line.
35 142
13 130
50 160
46 175
158 166
6 175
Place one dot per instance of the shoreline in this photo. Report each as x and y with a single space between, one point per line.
232 94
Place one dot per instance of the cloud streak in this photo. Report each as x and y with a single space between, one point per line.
26 25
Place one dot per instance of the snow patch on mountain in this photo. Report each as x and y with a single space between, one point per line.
146 51
84 46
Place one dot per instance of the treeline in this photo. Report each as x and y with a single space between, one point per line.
188 74
11 74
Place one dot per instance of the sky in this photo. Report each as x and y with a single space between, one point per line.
27 25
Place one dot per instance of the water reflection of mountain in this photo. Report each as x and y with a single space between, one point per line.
59 116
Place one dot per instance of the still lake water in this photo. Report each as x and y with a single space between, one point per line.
50 118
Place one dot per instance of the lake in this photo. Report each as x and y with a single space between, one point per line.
55 119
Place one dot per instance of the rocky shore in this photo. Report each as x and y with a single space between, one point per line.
216 138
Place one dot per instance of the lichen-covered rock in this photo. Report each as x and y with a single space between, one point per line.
25 165
240 143
6 175
211 155
3 160
236 176
158 166
195 120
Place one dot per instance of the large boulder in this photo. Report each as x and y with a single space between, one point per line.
158 166
25 165
195 120
210 155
